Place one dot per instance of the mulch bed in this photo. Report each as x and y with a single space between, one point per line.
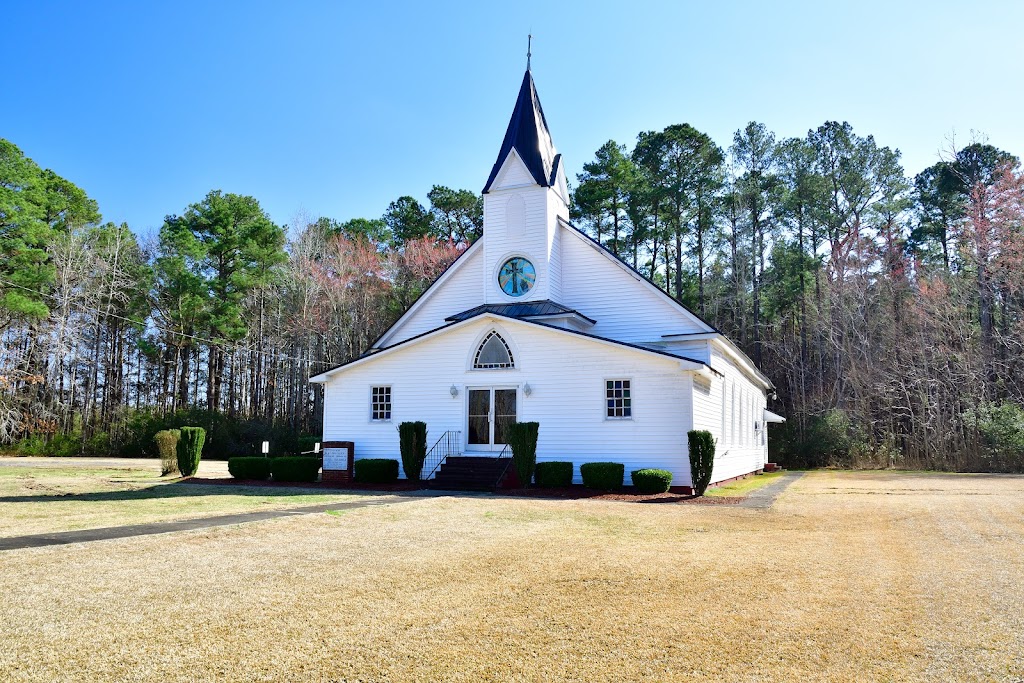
627 494
332 485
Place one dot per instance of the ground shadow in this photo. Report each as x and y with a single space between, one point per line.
179 490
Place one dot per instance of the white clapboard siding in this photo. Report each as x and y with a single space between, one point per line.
698 349
513 173
516 223
566 374
739 449
624 306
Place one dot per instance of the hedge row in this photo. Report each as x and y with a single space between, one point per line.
605 476
376 471
551 475
288 468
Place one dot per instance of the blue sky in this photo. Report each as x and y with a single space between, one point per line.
338 108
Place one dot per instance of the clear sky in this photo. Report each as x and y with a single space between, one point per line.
338 108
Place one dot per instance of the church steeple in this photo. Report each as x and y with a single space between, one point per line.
529 136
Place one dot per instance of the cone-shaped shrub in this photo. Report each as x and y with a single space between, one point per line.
190 449
522 439
702 459
412 444
167 445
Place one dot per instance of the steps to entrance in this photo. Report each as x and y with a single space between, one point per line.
468 473
772 467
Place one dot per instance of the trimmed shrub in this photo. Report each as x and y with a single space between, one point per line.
167 446
702 459
190 449
412 444
605 476
651 480
292 467
553 475
522 439
249 467
376 471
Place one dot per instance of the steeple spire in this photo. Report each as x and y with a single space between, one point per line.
529 49
529 136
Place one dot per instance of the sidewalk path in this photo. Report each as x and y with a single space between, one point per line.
107 533
764 497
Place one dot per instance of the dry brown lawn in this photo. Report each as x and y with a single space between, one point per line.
45 495
849 577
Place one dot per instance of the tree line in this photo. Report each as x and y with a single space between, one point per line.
886 309
219 319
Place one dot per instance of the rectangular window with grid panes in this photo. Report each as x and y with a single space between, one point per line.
618 401
380 403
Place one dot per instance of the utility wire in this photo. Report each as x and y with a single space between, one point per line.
221 344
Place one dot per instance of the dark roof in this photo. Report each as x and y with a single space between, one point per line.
616 342
524 309
528 134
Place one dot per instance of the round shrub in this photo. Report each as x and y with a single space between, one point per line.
553 475
651 480
605 476
294 468
376 471
249 467
190 449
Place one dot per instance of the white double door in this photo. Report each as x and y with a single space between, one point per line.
491 411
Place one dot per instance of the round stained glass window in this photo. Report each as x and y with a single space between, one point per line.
517 276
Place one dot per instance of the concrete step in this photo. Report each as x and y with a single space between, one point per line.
469 473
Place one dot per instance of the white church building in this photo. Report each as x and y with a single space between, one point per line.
537 322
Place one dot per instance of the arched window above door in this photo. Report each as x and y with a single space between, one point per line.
493 354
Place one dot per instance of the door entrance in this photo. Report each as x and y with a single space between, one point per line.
491 411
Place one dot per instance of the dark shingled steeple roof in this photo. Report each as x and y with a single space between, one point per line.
528 134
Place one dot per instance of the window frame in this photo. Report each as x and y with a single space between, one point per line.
389 403
475 363
627 386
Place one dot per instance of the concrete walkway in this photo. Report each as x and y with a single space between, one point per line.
107 533
764 497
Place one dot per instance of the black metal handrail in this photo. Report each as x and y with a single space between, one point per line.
450 443
506 452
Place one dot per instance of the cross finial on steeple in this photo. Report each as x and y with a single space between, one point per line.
529 47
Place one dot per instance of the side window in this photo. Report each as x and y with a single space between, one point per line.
380 403
618 401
